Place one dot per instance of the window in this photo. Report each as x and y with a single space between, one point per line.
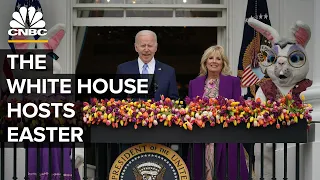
98 23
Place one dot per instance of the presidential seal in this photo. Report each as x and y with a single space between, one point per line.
149 162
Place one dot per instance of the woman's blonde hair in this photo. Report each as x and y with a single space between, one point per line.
212 49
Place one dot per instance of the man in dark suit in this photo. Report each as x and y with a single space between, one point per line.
163 78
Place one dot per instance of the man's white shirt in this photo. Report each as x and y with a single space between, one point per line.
151 65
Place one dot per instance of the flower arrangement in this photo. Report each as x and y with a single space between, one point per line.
197 112
187 114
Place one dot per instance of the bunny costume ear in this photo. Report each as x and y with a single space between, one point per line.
54 37
23 47
301 33
267 31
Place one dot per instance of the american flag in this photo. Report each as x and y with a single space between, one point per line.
249 78
6 71
248 67
252 73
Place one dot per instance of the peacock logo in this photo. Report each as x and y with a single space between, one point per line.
27 22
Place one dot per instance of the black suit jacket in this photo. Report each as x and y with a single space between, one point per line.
163 81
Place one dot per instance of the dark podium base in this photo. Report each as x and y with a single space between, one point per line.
296 133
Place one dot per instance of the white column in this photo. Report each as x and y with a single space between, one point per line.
313 97
313 93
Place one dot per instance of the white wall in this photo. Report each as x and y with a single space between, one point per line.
7 7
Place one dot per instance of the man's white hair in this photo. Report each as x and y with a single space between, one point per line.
146 32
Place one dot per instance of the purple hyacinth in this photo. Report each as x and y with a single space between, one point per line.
205 100
242 101
187 100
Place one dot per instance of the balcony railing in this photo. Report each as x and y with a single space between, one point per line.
107 143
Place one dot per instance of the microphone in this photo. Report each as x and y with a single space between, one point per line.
155 83
155 87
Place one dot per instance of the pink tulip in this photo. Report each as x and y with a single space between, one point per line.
108 122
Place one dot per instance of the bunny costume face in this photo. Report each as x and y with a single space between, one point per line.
286 62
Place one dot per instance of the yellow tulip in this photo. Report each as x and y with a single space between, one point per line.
185 126
251 119
301 116
235 123
85 108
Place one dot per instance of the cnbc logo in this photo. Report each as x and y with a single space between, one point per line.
27 22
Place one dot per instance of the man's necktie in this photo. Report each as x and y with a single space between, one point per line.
146 74
145 69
